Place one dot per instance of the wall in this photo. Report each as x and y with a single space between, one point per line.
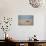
45 28
13 8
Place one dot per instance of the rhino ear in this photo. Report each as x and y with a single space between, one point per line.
35 3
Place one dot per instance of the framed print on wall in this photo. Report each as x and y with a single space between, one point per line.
25 20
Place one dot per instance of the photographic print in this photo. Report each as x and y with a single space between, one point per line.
25 20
